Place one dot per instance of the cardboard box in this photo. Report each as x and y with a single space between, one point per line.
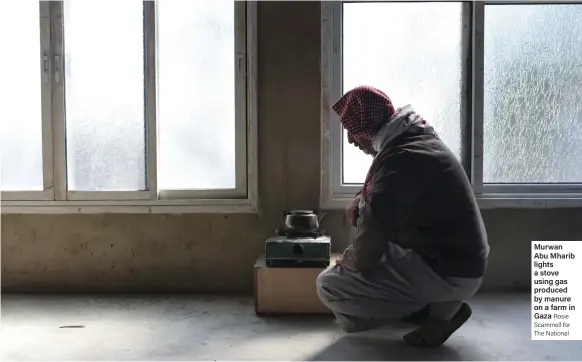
287 290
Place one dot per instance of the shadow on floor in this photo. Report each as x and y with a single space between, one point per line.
382 344
382 348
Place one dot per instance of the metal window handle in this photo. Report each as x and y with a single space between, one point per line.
240 63
57 68
45 68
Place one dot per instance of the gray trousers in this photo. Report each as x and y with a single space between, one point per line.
402 284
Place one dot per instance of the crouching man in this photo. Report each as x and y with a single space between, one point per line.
418 247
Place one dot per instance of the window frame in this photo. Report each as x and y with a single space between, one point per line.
334 194
56 198
45 65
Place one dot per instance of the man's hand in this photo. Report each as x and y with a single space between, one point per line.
352 211
340 260
346 259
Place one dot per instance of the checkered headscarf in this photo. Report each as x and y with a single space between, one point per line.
363 111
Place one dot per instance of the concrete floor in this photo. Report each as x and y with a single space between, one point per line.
222 328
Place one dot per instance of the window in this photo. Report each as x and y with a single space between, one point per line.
533 94
434 88
22 97
501 83
132 106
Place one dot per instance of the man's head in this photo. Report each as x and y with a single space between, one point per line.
363 111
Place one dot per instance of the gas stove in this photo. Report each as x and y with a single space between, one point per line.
292 250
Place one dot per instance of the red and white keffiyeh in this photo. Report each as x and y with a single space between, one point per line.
363 111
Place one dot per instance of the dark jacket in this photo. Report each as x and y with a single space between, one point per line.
421 199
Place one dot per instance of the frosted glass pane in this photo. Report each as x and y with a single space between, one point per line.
412 52
20 98
104 63
196 94
533 94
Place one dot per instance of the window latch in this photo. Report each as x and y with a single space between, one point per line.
57 68
45 68
240 65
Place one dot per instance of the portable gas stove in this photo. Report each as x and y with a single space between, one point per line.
298 250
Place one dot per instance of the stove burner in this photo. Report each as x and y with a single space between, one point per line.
292 235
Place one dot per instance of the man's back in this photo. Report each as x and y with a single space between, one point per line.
444 224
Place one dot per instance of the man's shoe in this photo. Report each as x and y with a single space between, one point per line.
418 318
435 332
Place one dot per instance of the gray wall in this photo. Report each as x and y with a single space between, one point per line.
215 253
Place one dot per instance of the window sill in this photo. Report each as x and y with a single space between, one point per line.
492 201
214 206
529 201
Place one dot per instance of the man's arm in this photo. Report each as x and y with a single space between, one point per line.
395 187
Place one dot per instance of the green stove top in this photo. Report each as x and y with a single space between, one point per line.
299 251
